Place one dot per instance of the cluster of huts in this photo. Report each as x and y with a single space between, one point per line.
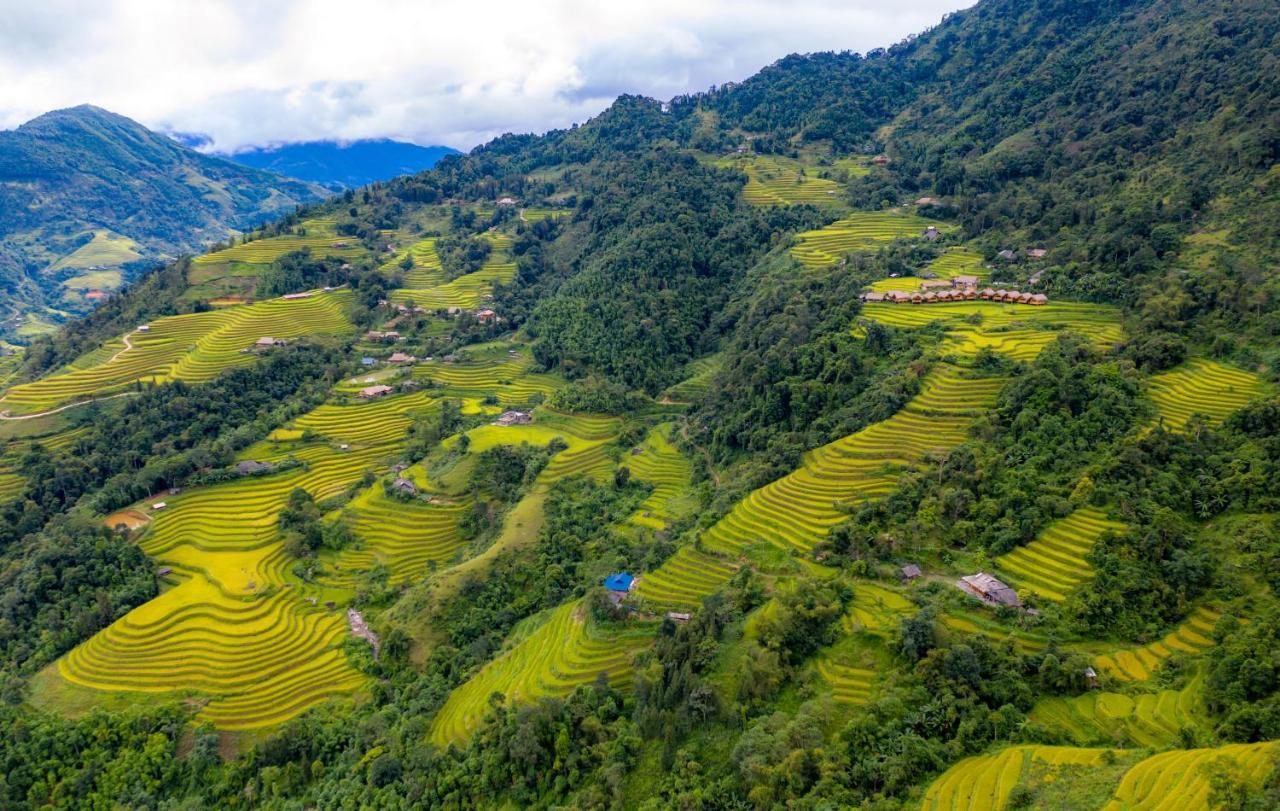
930 296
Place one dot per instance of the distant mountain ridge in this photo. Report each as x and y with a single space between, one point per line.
340 165
88 196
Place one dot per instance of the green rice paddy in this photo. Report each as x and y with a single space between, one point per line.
1193 636
1019 331
773 180
194 348
1054 564
1202 386
861 231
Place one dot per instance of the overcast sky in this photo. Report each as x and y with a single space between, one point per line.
252 72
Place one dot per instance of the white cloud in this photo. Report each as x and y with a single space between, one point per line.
431 71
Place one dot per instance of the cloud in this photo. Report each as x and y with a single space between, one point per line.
251 72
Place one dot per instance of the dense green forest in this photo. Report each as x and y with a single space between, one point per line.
331 576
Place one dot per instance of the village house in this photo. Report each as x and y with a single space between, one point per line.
934 284
679 616
989 589
95 295
159 505
514 418
251 466
401 357
506 201
910 572
373 392
1036 253
1007 255
267 341
402 485
295 296
931 233
964 281
618 586
485 316
143 328
1038 299
368 361
873 296
880 160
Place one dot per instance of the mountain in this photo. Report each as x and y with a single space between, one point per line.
88 197
345 164
897 430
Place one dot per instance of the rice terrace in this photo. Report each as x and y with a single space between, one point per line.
893 428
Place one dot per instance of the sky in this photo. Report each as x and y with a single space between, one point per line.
259 72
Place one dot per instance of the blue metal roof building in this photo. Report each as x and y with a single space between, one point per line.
618 582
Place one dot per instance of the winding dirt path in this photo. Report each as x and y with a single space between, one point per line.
127 347
63 408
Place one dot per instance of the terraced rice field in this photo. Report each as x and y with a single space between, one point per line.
467 292
1177 780
506 377
319 238
564 653
699 375
11 483
660 464
796 511
984 782
238 630
1205 387
1194 635
862 231
969 623
955 262
876 609
426 271
773 180
1054 564
849 685
685 579
406 537
374 422
1146 719
1017 330
195 348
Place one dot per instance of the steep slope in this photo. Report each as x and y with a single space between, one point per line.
339 165
87 196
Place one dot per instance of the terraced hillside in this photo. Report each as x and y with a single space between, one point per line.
194 348
410 538
1178 780
1016 330
876 609
500 370
796 511
984 782
861 231
774 180
699 374
1193 636
1202 386
660 464
849 684
1054 564
955 262
424 289
315 235
425 271
239 630
565 652
1145 719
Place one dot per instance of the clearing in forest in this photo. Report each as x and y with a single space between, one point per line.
1054 564
860 231
1202 386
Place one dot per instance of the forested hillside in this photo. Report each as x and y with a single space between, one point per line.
891 431
89 199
